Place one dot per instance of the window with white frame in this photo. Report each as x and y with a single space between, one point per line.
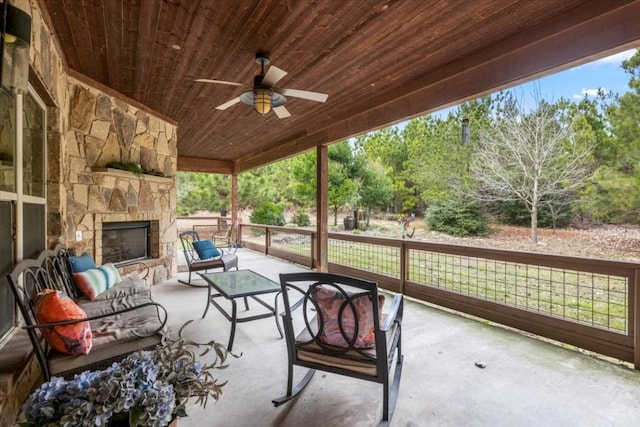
22 191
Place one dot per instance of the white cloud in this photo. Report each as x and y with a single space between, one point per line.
617 58
590 93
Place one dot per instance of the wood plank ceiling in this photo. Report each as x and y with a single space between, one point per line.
379 61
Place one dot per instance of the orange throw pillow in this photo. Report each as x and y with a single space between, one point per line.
55 306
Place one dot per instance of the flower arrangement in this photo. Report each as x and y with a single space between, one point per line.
147 388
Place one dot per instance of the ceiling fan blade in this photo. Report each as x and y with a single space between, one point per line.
281 112
228 104
222 82
273 76
304 94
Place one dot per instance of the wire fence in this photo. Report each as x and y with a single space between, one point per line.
596 296
299 244
590 298
370 257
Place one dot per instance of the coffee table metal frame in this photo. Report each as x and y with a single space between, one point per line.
265 286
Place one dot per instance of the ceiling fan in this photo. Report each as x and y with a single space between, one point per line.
264 96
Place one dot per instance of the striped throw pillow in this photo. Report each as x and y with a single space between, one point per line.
95 281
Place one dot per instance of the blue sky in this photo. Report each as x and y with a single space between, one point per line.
605 73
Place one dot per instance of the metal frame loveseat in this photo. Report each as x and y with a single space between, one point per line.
123 319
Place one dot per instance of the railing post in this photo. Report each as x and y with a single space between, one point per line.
322 229
634 309
267 240
404 265
313 250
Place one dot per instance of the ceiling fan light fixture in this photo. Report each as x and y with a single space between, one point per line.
262 101
264 96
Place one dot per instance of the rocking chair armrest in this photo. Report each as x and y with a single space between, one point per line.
219 238
162 317
296 305
293 307
395 313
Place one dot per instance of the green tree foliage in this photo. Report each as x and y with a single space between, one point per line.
376 189
458 217
268 213
551 214
301 219
436 163
611 195
625 117
426 160
270 183
343 178
207 191
387 147
202 191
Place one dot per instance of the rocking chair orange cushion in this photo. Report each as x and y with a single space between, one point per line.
55 306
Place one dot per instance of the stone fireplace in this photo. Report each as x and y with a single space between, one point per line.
105 204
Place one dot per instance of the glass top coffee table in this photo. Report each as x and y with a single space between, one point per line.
240 284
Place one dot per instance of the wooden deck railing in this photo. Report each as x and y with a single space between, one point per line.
206 226
589 303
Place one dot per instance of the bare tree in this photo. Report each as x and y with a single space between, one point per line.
529 156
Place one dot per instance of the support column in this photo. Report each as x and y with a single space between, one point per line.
234 206
322 185
634 299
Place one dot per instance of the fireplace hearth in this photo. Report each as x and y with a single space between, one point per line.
125 242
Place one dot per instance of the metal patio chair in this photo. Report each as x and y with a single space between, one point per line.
331 324
226 239
227 261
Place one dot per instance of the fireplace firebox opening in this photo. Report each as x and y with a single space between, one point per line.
126 242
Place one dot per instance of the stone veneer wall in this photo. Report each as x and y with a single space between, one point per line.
104 129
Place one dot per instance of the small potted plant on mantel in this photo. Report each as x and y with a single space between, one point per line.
147 388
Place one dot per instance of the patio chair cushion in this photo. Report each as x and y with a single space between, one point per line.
80 263
94 281
54 306
361 361
206 249
330 301
113 336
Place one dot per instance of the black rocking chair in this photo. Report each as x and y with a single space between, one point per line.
332 325
227 261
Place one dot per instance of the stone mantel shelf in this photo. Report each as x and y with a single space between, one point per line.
127 174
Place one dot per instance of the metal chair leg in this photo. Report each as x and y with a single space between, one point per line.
296 390
188 282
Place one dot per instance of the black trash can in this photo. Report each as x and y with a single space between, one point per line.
349 223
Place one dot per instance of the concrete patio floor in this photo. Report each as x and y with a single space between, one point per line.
526 382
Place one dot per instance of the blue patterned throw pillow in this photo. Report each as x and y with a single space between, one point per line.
80 263
206 249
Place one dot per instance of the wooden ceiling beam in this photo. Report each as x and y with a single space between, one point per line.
194 164
512 62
